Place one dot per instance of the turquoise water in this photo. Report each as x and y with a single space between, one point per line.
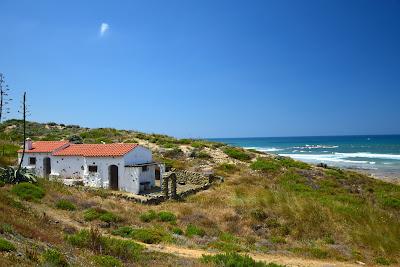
379 154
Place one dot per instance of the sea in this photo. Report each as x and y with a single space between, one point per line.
378 155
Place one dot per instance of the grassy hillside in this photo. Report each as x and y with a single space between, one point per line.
267 204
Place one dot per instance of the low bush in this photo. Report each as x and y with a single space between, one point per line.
235 259
265 165
123 249
163 216
145 235
53 257
237 153
103 215
6 245
288 162
28 191
166 216
107 261
65 204
148 216
177 231
192 230
227 168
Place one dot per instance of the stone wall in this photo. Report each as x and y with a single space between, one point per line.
188 177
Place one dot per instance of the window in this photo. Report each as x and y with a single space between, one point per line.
32 161
93 168
145 168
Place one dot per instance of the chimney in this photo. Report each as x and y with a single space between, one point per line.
28 144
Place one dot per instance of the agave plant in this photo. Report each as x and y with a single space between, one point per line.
10 175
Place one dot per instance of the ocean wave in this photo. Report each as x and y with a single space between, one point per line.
315 147
324 158
265 149
369 155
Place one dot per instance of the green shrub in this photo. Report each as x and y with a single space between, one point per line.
237 154
145 235
228 168
109 217
192 230
103 215
124 249
148 216
6 228
65 204
235 260
28 191
6 245
382 261
203 155
53 257
289 162
166 216
265 165
107 261
198 144
177 231
391 202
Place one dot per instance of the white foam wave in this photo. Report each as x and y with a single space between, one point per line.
315 147
265 149
369 155
343 157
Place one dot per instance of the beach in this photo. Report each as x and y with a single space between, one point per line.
377 155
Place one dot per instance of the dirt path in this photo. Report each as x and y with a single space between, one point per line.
62 218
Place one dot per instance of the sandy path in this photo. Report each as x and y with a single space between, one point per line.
63 218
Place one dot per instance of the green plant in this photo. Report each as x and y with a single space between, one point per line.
28 191
265 165
177 231
9 175
123 249
166 216
53 257
107 261
148 216
65 204
192 230
103 215
289 162
227 168
145 235
6 245
237 153
235 260
382 261
6 228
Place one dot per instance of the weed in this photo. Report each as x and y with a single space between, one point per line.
107 261
6 245
65 204
237 153
148 216
235 259
192 230
28 191
265 165
53 257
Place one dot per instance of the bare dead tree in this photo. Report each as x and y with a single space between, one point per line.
4 98
24 114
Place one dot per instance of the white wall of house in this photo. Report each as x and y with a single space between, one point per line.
38 167
77 167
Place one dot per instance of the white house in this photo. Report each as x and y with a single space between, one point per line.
127 167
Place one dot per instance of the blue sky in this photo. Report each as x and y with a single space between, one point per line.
207 68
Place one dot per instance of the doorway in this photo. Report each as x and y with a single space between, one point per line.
113 177
46 167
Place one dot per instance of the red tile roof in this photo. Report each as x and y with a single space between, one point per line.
96 150
45 146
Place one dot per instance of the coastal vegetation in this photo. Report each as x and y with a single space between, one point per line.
266 204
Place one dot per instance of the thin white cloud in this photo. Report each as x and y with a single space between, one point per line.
104 27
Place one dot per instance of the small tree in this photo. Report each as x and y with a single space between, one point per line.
24 113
